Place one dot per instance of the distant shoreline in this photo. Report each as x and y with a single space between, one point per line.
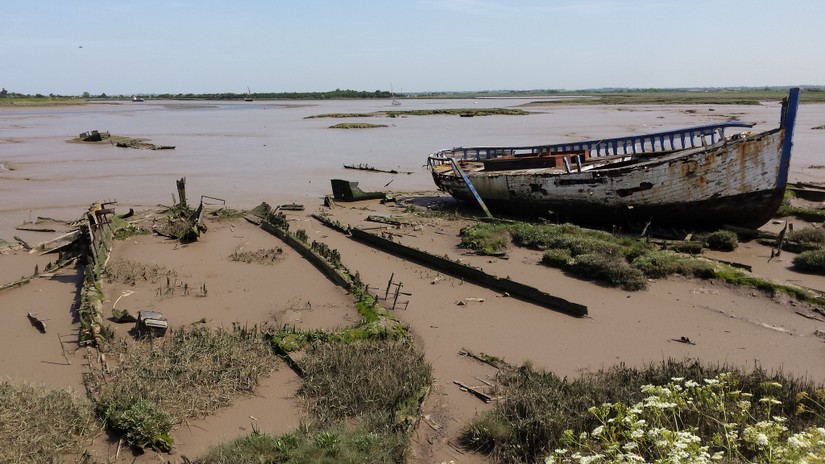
607 97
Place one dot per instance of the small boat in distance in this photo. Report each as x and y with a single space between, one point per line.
248 95
136 99
694 176
392 96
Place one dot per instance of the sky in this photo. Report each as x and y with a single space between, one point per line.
121 47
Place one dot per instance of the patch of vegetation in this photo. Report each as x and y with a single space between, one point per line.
713 96
228 214
812 261
328 445
540 407
464 112
721 240
672 425
126 271
488 239
356 125
377 324
39 425
187 375
621 261
809 235
612 270
341 115
801 212
262 256
735 276
375 379
363 395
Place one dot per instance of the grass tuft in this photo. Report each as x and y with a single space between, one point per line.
187 375
812 261
39 425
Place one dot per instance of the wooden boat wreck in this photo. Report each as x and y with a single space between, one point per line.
696 176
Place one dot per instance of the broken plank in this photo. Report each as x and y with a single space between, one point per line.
478 393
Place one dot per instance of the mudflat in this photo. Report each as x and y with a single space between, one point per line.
727 325
246 159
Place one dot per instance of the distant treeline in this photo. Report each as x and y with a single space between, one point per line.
330 95
698 95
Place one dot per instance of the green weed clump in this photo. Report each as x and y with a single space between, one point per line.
356 125
143 425
612 270
39 425
486 239
325 446
808 235
659 264
722 240
540 409
812 261
801 212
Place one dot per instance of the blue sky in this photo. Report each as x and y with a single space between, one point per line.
181 46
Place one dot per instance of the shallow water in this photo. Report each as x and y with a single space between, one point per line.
246 153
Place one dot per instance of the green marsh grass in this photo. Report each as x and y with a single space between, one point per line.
189 374
39 425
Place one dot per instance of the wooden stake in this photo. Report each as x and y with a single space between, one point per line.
397 291
63 349
387 292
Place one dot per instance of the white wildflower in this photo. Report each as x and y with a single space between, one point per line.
795 442
631 445
761 440
598 431
589 459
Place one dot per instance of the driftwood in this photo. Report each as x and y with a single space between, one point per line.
37 323
391 220
476 392
291 207
367 167
122 316
23 243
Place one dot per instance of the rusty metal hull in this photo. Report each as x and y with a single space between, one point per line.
732 182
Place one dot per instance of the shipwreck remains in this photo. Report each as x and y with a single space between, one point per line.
463 271
695 175
344 190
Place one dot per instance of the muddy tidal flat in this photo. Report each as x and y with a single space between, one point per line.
246 153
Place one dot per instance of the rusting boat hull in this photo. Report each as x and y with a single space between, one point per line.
738 180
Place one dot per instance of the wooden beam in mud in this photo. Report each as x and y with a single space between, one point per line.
472 274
